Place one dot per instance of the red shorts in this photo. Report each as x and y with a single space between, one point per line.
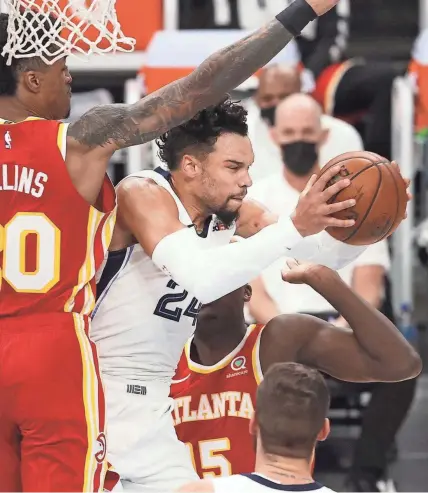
51 406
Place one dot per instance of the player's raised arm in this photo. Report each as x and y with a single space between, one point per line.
116 126
373 349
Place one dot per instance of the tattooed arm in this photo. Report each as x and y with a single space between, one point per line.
119 125
111 127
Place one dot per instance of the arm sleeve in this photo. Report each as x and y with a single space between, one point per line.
210 273
323 249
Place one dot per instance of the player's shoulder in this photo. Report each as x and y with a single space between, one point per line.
288 331
288 322
136 188
141 199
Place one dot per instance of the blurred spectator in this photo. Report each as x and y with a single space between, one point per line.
299 135
354 90
276 83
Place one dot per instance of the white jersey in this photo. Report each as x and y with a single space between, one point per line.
257 483
143 318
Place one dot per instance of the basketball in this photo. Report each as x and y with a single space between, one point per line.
380 194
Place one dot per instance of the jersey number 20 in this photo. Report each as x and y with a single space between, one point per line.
13 244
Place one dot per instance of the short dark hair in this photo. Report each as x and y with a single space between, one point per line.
292 404
199 135
9 73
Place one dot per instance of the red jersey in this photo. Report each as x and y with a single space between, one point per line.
213 407
51 240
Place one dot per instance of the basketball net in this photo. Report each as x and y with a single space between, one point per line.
52 29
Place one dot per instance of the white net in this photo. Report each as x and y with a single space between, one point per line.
52 29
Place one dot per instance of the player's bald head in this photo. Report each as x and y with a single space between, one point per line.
298 109
276 82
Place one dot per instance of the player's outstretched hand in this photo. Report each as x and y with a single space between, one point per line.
322 6
301 272
313 212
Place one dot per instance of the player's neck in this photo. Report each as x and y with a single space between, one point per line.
198 213
299 182
12 109
210 345
284 470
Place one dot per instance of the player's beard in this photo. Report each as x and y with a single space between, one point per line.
226 216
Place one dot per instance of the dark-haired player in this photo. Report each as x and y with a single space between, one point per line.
54 212
149 293
222 365
290 418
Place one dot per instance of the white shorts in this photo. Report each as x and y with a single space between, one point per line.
142 444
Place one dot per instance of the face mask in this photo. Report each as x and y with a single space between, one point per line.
268 114
299 157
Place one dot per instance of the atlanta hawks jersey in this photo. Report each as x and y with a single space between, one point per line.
51 240
213 406
143 317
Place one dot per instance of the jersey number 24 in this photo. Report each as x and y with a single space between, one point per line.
167 305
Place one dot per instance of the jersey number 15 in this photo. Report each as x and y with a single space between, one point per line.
210 456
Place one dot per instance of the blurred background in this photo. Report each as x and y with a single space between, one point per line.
366 63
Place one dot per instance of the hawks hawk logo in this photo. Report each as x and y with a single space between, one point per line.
100 455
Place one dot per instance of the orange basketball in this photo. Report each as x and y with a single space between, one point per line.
380 193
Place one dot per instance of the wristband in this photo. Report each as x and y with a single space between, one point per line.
296 16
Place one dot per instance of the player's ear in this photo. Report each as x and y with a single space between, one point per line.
325 431
32 81
190 165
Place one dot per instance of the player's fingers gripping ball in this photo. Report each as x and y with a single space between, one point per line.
380 193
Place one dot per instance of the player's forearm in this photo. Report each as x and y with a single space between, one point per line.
389 352
212 273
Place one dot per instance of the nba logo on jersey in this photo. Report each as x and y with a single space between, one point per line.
220 226
7 140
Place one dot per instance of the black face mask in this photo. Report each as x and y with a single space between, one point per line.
299 157
268 115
